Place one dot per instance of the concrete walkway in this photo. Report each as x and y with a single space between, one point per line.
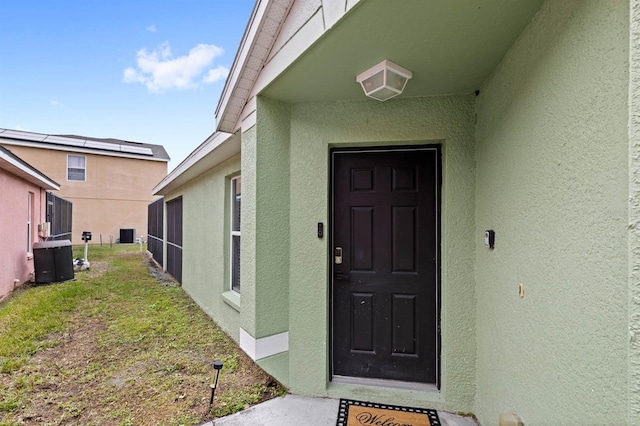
293 410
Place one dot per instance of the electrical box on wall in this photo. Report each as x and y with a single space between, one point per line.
44 229
489 238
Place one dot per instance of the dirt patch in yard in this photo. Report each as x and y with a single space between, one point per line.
58 377
137 354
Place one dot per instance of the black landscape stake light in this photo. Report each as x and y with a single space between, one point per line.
217 365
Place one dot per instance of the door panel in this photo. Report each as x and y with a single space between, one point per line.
362 322
403 222
385 289
362 238
403 324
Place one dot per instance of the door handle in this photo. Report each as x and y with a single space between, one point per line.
338 256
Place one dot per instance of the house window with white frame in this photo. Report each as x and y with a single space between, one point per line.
76 167
236 192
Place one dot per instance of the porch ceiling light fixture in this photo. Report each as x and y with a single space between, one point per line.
384 80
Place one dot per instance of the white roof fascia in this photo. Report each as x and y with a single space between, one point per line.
70 148
241 55
217 148
234 97
29 173
306 37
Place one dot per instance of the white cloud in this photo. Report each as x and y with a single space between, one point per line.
216 74
22 129
57 104
152 28
159 70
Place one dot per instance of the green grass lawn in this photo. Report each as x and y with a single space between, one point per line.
117 346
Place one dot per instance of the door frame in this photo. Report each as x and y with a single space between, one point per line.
391 149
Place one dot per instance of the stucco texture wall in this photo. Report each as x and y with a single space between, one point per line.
634 213
205 226
115 194
248 222
15 262
315 128
552 181
272 218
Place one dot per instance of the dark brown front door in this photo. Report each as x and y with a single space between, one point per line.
385 263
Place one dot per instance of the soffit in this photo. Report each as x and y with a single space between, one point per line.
450 46
18 167
256 43
216 149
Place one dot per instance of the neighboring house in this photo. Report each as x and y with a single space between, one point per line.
109 181
520 117
22 210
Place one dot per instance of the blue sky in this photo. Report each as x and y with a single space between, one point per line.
140 70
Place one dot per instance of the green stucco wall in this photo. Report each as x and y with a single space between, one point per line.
272 223
552 181
315 128
205 243
634 214
248 234
278 366
265 222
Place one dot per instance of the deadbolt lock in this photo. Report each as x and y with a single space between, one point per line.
338 256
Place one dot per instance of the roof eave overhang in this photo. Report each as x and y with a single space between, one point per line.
67 148
29 174
264 25
218 147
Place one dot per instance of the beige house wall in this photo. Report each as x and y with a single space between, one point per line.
115 195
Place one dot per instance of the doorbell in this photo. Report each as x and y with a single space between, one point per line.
489 238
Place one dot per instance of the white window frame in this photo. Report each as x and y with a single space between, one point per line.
30 198
84 168
234 233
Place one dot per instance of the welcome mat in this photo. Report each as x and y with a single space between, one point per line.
358 413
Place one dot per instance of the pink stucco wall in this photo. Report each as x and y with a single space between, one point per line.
15 262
